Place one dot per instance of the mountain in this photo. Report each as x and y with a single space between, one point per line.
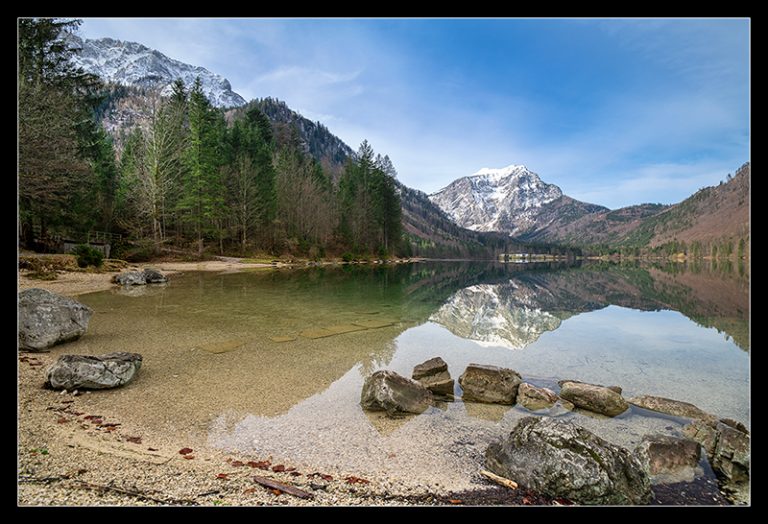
715 217
515 201
132 64
313 137
511 200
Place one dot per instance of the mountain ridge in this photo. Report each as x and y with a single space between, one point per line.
511 200
133 64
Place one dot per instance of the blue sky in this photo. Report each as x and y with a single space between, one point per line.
615 112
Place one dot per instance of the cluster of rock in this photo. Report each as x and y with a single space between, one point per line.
46 319
140 278
561 459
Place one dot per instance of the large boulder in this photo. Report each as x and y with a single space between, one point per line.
153 276
669 459
93 372
732 453
433 375
130 278
533 398
561 459
387 391
490 384
599 399
46 319
677 408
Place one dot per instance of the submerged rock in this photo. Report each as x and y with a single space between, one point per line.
433 375
533 398
490 384
599 399
561 459
387 391
46 319
669 459
677 408
93 372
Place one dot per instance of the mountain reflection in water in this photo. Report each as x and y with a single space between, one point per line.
513 306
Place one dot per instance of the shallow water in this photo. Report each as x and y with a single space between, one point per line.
272 362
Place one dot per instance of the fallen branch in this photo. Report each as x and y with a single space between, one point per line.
27 479
132 493
291 490
511 484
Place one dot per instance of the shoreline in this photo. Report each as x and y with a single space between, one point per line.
74 283
72 451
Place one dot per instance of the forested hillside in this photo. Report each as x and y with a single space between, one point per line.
187 176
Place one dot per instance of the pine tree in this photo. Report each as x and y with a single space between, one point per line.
202 196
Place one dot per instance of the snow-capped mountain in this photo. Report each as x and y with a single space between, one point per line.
512 199
133 64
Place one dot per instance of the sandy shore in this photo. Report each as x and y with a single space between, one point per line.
80 450
73 450
73 283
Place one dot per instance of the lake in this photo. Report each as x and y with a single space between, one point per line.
271 362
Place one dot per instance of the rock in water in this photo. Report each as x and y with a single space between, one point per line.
674 459
704 434
677 408
490 384
130 278
599 399
153 276
533 398
46 319
561 459
433 375
92 372
732 453
387 391
617 389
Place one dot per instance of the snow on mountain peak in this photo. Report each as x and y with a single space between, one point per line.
505 199
501 173
133 64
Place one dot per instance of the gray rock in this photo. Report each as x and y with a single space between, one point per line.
387 391
671 459
533 398
561 459
669 406
433 375
704 434
153 276
432 366
93 372
599 399
130 278
490 384
732 453
727 448
46 319
617 389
